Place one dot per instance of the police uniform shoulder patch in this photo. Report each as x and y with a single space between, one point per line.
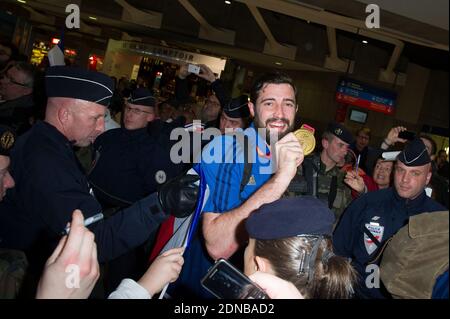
7 140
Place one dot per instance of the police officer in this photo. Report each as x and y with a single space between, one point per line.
50 184
319 175
235 114
13 263
130 165
376 216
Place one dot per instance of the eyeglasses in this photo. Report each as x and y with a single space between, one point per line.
136 111
5 75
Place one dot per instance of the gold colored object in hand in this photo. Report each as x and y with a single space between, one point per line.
306 139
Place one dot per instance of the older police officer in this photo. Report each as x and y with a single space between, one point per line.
50 184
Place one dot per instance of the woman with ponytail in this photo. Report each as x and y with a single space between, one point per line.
290 238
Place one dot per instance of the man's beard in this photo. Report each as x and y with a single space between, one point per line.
277 135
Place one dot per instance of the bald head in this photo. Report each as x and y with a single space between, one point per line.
410 181
78 120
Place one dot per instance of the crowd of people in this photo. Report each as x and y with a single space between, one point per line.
300 226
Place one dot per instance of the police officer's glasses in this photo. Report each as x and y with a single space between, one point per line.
135 111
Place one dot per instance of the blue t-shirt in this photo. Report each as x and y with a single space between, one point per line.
222 164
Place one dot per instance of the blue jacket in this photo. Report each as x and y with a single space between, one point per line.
383 212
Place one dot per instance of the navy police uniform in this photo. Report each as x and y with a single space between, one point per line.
130 164
375 217
50 184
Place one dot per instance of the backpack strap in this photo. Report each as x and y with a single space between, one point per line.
247 165
333 191
380 252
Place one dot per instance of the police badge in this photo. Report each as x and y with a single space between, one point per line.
377 231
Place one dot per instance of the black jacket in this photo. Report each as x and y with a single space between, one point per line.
50 185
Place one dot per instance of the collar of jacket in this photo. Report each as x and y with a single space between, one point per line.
412 205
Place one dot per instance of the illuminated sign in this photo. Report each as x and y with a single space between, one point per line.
359 94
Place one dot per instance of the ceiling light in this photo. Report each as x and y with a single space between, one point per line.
21 1
227 2
92 18
365 41
278 63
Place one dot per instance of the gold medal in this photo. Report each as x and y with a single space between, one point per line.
305 135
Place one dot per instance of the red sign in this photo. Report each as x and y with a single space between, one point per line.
364 103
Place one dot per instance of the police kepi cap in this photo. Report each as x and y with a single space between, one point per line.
289 217
414 154
340 131
78 83
142 96
7 139
237 107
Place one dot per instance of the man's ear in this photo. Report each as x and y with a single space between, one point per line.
324 143
251 107
63 115
151 116
261 264
429 174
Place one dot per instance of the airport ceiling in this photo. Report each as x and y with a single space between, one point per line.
289 32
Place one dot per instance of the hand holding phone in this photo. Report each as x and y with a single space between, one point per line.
192 68
226 282
407 135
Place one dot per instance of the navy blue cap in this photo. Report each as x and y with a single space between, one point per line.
289 217
415 153
7 139
340 131
78 83
142 96
237 107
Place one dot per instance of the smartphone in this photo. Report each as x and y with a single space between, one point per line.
407 135
192 68
225 281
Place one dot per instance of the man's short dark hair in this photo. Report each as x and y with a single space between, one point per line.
270 78
364 130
